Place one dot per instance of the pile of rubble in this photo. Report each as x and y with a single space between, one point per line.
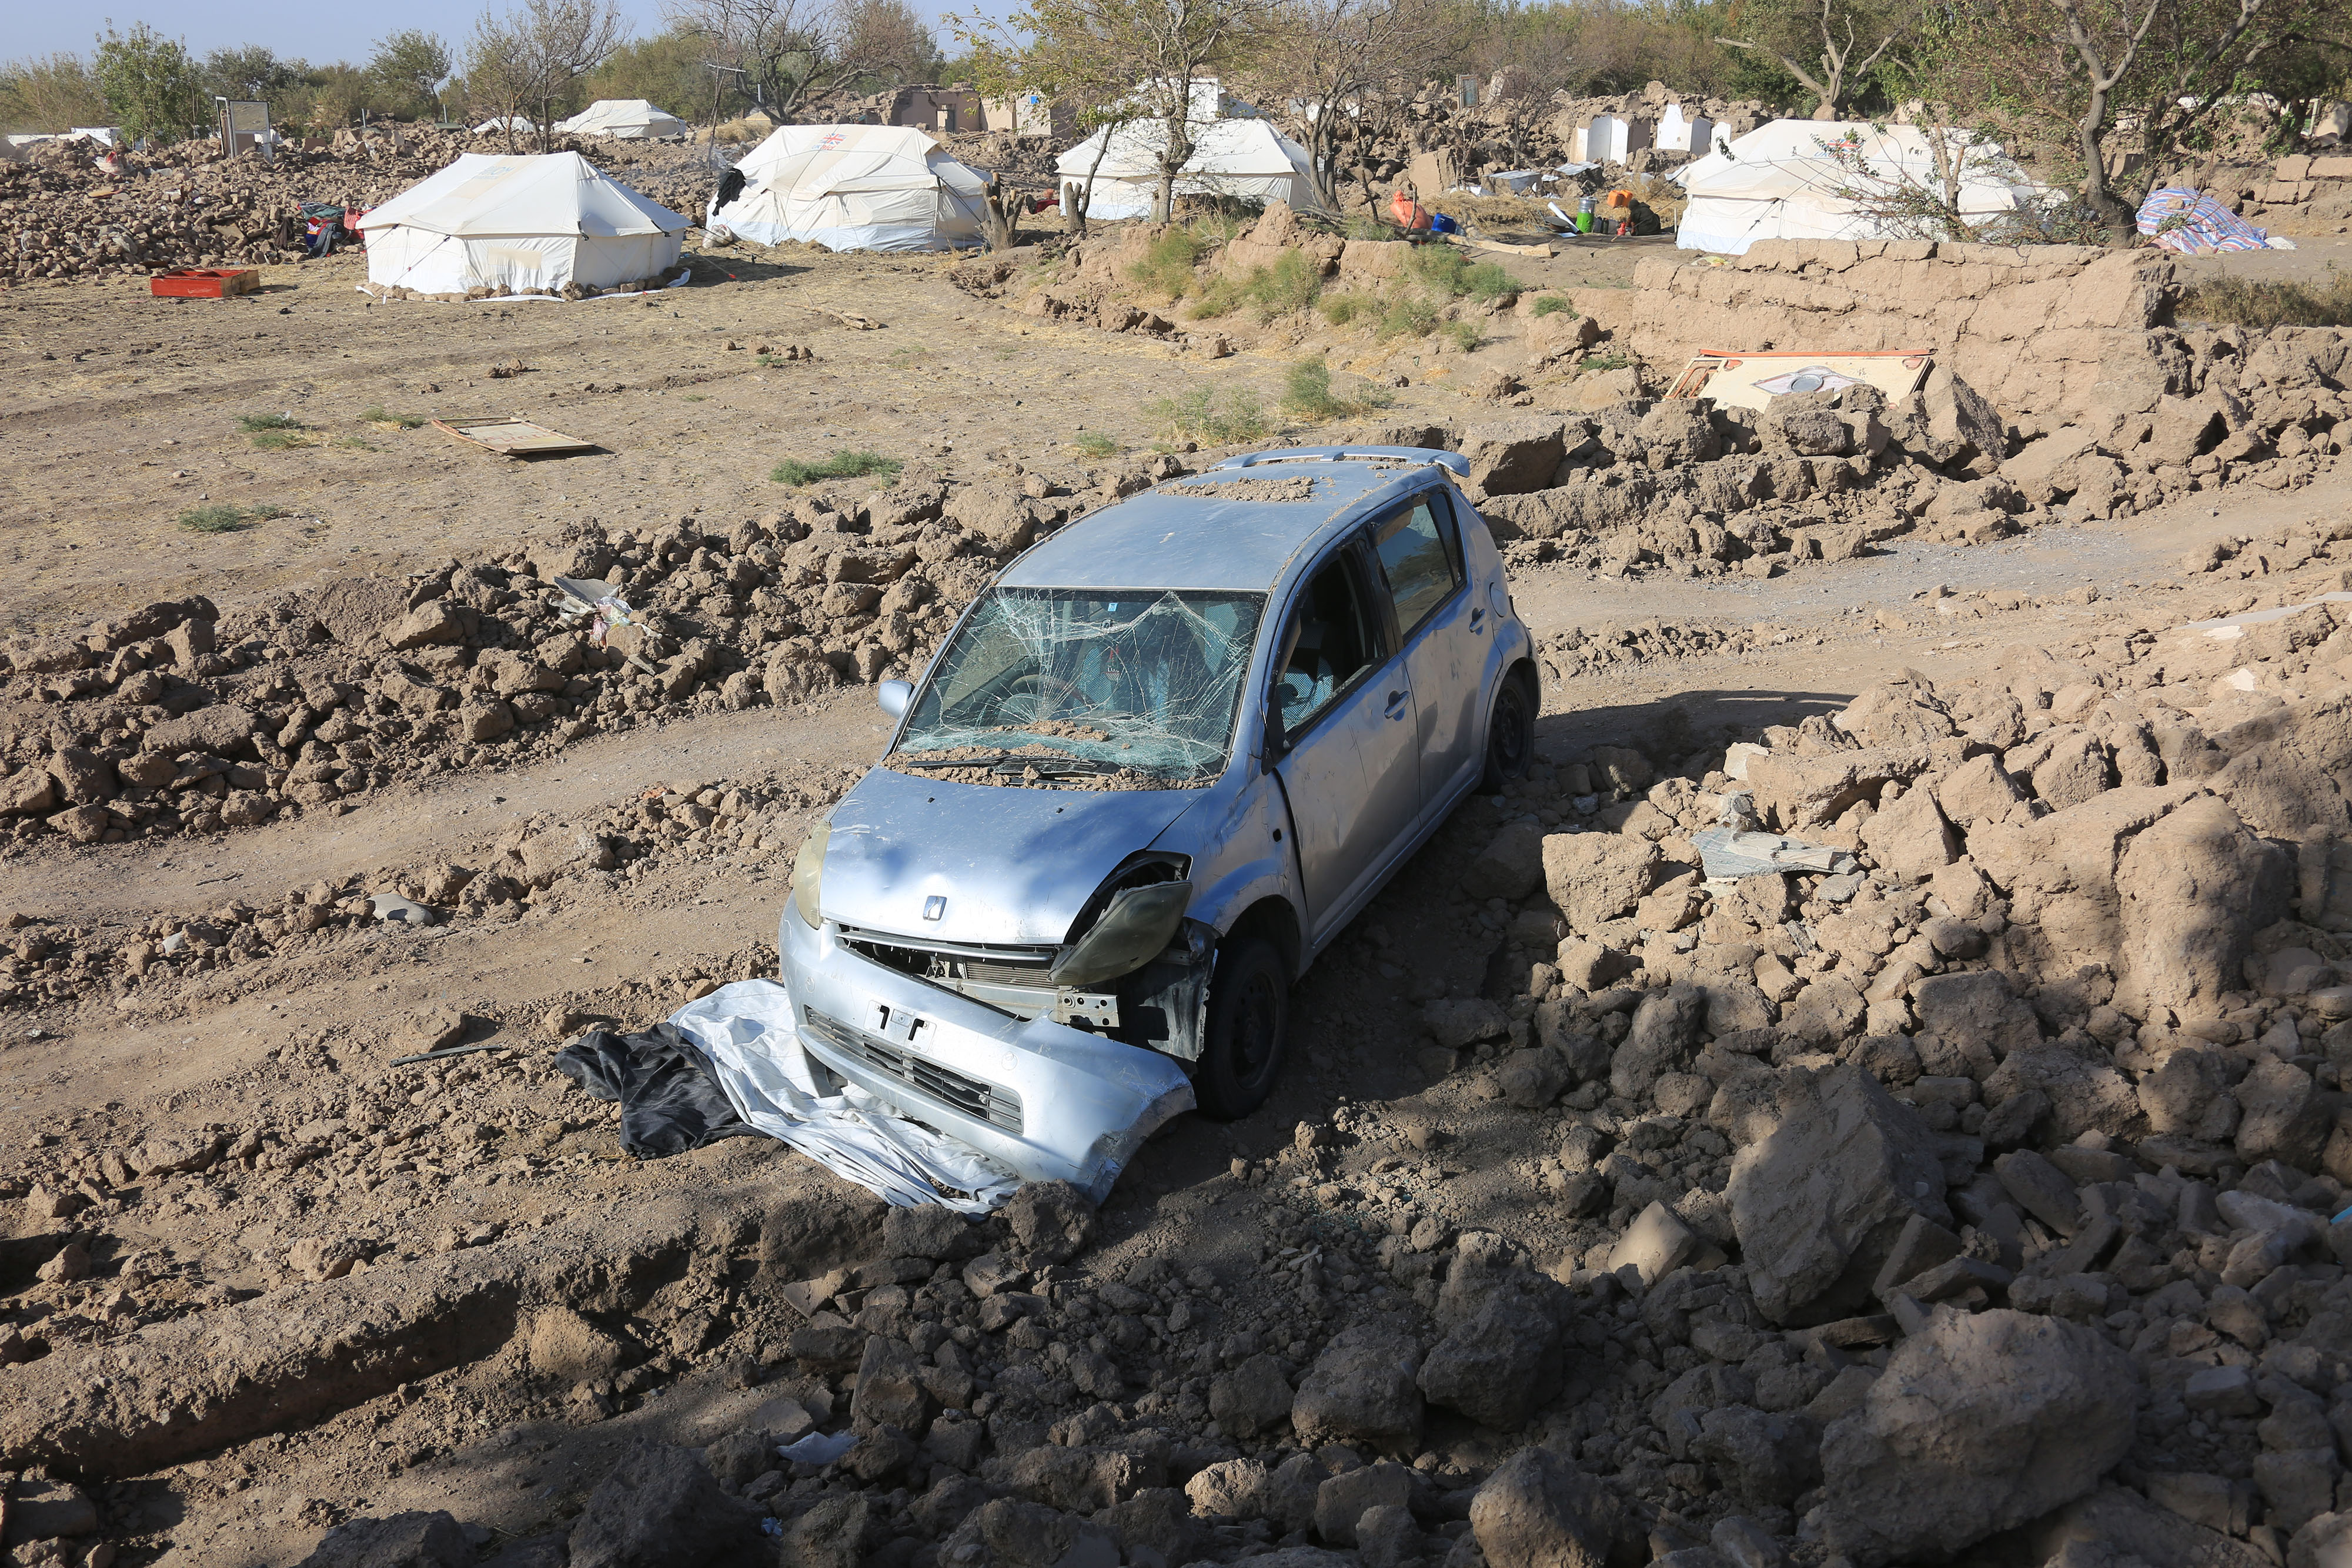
183 205
155 962
1935 1116
178 719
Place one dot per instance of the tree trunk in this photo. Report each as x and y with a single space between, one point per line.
2091 134
1163 200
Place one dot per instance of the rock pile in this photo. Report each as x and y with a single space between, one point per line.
176 718
185 207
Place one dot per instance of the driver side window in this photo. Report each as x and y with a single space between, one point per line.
1327 645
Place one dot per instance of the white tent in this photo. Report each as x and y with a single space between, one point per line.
626 119
855 187
1780 182
521 223
1246 158
518 122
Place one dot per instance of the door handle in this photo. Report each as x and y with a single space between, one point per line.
1477 618
1396 704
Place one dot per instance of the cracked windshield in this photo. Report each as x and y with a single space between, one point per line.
1085 683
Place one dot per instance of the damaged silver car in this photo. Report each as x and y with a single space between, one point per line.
1153 771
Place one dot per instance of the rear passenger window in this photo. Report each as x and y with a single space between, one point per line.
1419 560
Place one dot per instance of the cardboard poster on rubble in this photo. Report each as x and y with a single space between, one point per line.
1737 379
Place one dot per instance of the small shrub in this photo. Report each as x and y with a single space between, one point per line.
1341 308
1290 284
1168 262
1408 315
1608 362
2232 301
843 464
1466 335
227 520
1216 298
1364 225
405 420
1095 444
249 422
1552 305
357 444
1306 393
1485 282
279 439
1195 414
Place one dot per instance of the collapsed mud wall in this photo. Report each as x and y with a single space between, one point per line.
2035 328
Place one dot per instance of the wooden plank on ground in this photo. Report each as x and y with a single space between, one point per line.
511 435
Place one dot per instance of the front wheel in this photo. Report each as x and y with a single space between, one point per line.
1510 736
1249 1020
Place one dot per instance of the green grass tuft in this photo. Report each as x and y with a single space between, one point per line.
357 444
1306 393
1552 305
1408 315
227 520
1341 308
1168 262
841 464
249 422
1095 444
280 440
1466 335
1197 415
379 417
2231 301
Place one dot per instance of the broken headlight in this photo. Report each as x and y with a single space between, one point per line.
1134 928
808 872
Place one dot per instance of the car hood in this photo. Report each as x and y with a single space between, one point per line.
1013 865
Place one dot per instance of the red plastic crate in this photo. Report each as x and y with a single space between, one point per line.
203 283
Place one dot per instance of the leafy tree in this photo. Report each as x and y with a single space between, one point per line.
53 93
252 70
413 63
1829 48
152 84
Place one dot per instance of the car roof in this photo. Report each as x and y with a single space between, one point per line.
1233 528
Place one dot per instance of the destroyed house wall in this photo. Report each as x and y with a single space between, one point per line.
2032 329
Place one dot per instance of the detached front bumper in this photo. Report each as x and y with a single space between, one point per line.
1052 1103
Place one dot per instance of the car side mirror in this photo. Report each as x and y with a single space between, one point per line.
1277 739
894 696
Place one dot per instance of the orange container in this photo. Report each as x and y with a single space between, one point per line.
203 283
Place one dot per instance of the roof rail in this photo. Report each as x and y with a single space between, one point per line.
1451 460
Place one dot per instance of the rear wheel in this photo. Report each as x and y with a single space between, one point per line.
1510 734
1249 1020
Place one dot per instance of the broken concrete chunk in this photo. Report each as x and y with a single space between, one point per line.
1980 1423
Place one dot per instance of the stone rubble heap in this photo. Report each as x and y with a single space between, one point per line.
1985 1190
176 718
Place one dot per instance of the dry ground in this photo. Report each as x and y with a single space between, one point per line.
121 416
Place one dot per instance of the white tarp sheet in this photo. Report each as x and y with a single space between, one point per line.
624 119
855 187
525 222
1778 182
746 1029
1243 158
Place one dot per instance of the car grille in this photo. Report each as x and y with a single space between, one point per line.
974 1097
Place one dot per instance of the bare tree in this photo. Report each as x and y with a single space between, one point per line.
529 58
1833 75
1319 66
1084 83
795 50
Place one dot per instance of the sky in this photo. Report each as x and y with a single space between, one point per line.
320 34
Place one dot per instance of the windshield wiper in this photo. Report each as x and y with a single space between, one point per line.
991 760
1045 765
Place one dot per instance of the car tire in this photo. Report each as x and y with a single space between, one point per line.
1249 1022
1510 736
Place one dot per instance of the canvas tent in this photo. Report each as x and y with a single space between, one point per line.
535 224
1247 158
517 122
626 119
855 187
1780 182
